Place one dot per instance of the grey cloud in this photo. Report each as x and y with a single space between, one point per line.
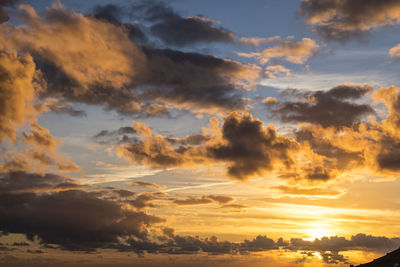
175 30
22 182
335 107
250 148
115 14
72 219
3 12
341 20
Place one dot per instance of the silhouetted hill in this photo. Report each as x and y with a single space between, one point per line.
389 260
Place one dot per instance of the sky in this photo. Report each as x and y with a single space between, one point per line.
199 133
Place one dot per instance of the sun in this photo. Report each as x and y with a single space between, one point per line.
318 232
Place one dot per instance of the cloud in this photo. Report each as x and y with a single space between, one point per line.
72 219
335 107
110 69
146 200
206 199
205 83
104 58
341 20
37 153
328 247
60 212
242 143
337 244
40 137
293 52
176 30
257 41
334 137
273 70
22 182
58 106
16 75
395 52
143 184
114 14
250 148
4 16
313 192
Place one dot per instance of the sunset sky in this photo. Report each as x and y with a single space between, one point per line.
199 133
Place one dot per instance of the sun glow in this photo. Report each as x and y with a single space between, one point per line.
318 231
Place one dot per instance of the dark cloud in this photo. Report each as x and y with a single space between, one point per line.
388 157
175 30
251 148
110 12
260 243
335 107
341 20
72 219
182 79
337 244
22 182
146 200
121 135
328 248
124 193
246 146
115 15
201 81
185 31
3 12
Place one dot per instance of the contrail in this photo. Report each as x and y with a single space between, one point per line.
195 186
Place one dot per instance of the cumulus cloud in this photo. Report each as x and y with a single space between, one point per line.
288 50
202 82
355 142
334 136
243 144
104 58
250 148
146 200
110 69
335 107
115 14
71 219
173 29
16 81
341 20
38 152
22 182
